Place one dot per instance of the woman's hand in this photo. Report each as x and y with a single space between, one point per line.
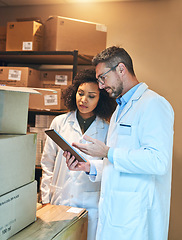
74 164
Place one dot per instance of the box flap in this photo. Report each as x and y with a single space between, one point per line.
36 19
46 89
78 20
18 89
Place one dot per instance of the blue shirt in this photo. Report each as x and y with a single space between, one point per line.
122 101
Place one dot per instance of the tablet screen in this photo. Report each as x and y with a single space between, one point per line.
62 143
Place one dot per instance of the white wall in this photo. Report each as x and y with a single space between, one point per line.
151 31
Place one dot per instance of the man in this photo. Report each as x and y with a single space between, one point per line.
136 177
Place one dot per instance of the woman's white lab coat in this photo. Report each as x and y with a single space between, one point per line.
135 193
60 186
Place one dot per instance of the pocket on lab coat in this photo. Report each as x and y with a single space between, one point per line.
124 208
124 129
126 134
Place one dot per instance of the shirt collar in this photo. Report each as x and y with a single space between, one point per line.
126 97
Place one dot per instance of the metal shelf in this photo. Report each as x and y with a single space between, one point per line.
45 57
42 57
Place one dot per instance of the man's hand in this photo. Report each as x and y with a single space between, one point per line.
95 148
74 164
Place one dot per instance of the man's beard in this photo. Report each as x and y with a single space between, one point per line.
116 92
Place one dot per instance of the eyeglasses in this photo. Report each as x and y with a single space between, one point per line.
101 78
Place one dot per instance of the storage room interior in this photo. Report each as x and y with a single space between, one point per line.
151 31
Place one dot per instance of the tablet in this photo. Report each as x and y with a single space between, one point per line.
62 143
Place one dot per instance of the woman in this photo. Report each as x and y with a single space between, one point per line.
89 108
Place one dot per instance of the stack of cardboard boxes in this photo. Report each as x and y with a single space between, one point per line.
51 84
56 34
18 188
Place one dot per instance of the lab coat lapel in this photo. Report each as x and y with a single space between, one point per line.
74 122
141 89
93 129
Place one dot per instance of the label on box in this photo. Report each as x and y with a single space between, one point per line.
14 75
101 27
74 210
27 46
50 100
61 79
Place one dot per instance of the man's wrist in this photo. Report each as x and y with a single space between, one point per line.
93 170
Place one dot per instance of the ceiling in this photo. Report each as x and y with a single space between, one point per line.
11 3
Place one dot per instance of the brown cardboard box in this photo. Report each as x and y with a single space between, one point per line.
2 38
18 210
57 223
67 34
47 99
56 78
20 77
14 109
24 36
17 161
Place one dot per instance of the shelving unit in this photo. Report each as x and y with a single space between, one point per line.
51 58
37 59
45 58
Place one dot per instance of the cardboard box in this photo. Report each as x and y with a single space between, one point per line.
17 161
20 77
68 34
14 109
48 99
2 38
18 210
24 36
56 78
57 223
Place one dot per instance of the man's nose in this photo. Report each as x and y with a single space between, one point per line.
101 86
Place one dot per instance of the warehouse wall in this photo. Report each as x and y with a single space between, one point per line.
151 31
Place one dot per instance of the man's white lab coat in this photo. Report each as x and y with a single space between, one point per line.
136 187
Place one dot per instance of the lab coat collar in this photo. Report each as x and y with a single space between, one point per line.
97 123
73 121
93 129
137 94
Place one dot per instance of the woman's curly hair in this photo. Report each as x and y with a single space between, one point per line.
106 105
